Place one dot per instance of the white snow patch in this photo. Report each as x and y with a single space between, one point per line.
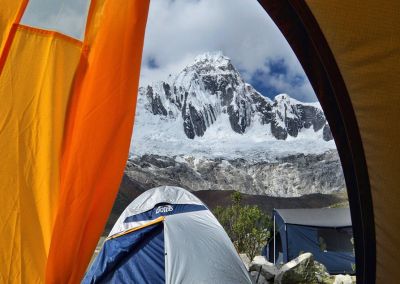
166 137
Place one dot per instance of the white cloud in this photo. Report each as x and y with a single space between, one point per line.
65 16
179 30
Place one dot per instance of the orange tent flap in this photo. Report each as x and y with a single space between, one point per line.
32 114
10 14
98 132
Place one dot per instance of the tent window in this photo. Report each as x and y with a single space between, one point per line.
339 240
65 16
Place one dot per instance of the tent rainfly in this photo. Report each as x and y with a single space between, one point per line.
326 233
167 235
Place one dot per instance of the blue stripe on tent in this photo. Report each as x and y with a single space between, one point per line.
164 210
137 257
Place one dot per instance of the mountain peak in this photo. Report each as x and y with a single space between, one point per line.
211 91
213 57
282 97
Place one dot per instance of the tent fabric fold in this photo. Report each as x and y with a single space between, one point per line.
66 119
350 53
10 15
32 116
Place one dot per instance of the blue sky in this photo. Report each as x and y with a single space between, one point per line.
178 30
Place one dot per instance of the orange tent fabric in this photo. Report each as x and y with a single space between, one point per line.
65 124
98 135
10 15
32 114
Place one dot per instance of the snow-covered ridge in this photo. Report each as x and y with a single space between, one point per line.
209 108
215 58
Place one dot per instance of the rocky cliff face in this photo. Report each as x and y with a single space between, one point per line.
211 86
290 176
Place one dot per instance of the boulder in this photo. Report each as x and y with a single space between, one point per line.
326 133
260 266
258 278
344 279
245 260
322 273
302 269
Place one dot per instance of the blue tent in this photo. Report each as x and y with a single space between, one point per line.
326 233
167 235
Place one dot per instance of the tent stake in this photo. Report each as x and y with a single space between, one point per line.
274 241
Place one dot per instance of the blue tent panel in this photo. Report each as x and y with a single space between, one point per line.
164 209
330 245
308 239
137 257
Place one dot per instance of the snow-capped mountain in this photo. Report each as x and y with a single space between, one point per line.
209 104
211 86
207 129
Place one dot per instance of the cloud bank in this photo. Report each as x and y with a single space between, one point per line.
64 16
178 30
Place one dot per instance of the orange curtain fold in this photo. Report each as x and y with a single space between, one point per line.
34 86
10 15
98 133
66 117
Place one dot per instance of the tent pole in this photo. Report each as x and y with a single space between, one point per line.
274 241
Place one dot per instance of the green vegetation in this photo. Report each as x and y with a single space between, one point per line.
353 265
247 226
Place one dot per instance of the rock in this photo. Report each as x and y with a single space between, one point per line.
326 133
263 267
245 260
322 273
258 278
344 279
278 131
301 270
289 176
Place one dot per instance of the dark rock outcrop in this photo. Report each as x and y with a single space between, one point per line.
326 133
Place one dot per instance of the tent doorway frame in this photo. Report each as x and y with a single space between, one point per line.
301 30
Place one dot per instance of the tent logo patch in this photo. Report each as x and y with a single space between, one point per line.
164 209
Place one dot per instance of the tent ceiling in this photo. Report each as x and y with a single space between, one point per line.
364 37
350 51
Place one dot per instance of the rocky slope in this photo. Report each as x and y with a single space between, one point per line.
137 179
290 176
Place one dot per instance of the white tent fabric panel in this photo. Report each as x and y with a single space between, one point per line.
147 200
189 261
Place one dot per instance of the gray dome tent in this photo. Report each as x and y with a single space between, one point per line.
167 235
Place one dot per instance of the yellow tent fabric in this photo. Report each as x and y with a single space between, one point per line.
98 133
34 87
11 12
364 37
57 92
